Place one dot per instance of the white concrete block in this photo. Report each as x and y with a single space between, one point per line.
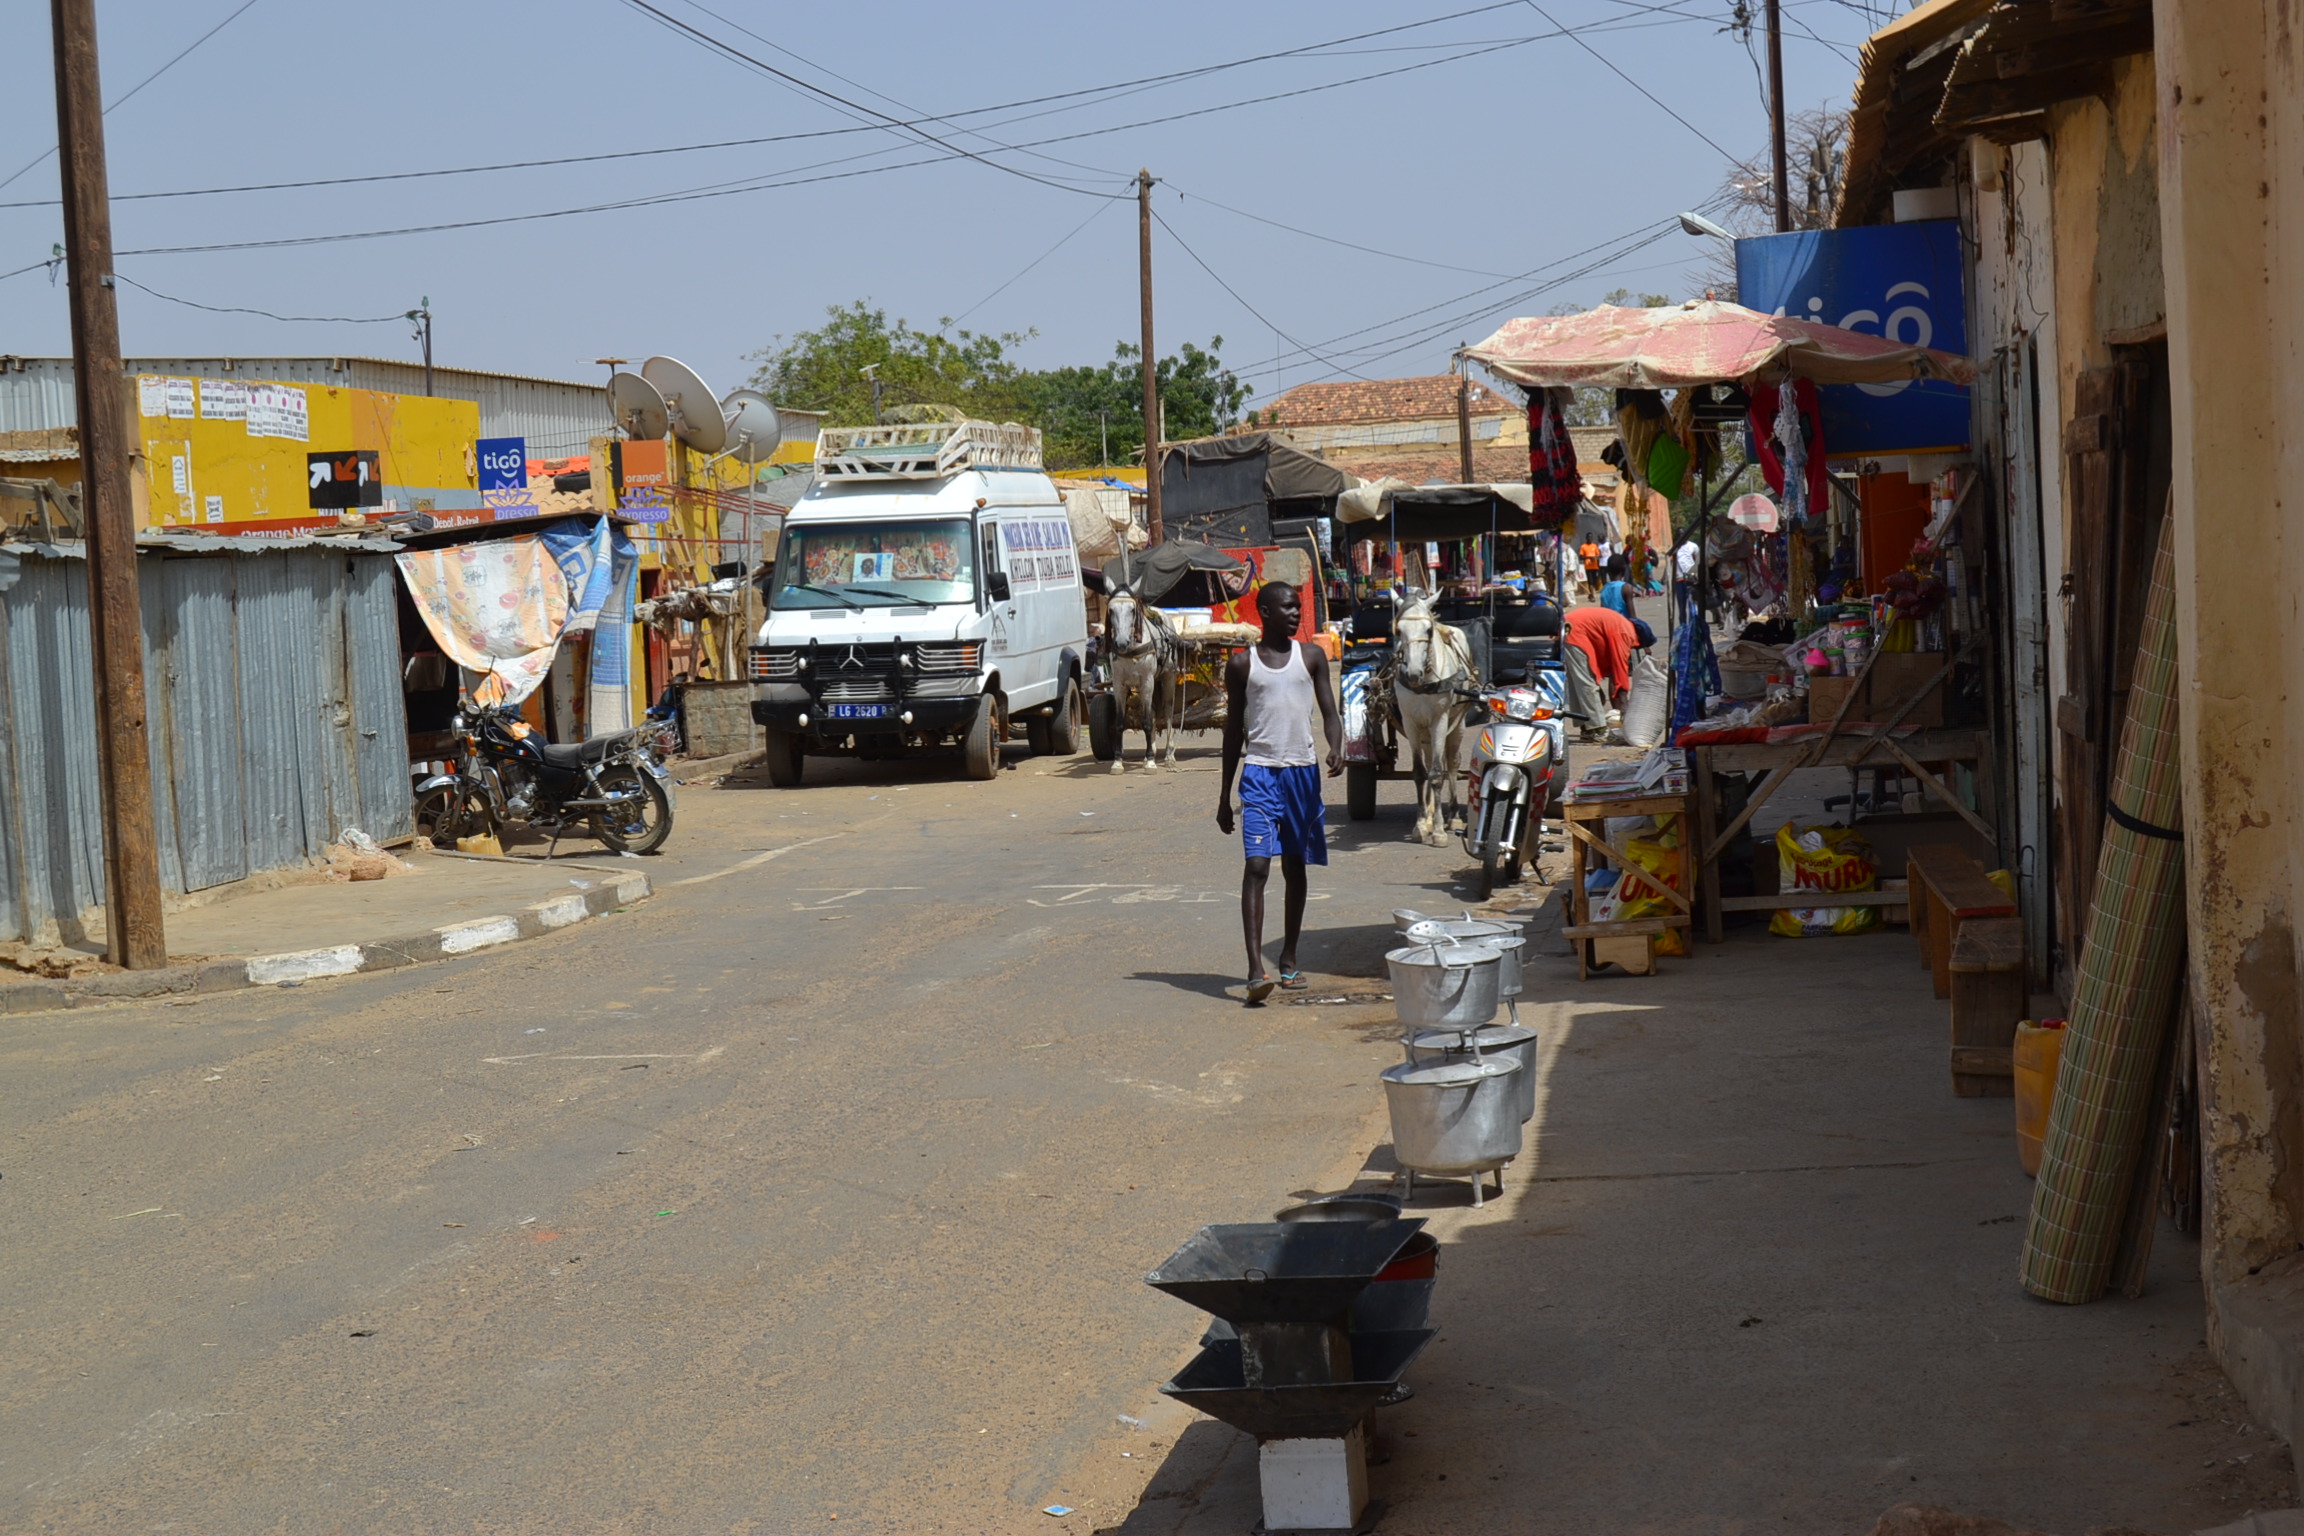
1314 1485
562 910
303 965
463 938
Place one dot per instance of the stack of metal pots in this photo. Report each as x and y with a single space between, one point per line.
1468 1086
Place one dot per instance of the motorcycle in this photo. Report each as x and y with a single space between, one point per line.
508 775
1509 779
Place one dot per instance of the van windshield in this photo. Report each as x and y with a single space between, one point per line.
873 564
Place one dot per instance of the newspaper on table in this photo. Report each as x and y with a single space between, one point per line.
1663 771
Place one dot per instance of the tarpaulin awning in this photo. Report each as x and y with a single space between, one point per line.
1703 341
1156 571
1418 513
1230 488
496 606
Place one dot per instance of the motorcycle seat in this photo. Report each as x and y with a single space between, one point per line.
575 754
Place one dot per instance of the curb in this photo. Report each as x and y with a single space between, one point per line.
300 966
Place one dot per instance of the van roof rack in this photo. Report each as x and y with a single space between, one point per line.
924 450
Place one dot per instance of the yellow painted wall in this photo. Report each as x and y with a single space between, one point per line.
425 448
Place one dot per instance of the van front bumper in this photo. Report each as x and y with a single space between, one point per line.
790 707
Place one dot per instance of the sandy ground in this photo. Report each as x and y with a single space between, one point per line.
816 1193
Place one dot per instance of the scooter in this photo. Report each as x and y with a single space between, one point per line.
1508 782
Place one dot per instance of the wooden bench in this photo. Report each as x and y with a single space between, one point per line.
1989 994
1947 888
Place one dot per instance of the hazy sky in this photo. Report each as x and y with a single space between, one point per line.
1492 147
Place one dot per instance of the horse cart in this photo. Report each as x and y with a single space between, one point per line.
1208 598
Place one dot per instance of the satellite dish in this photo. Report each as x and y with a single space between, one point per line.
696 418
638 406
754 427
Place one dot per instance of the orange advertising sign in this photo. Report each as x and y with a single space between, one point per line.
643 462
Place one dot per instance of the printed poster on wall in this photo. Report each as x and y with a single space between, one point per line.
151 395
223 400
180 399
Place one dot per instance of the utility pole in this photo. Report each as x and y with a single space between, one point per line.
1152 423
134 937
421 318
1776 116
1463 422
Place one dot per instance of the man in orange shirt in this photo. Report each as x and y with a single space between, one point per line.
1597 644
1591 556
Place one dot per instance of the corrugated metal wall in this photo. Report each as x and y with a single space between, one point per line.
273 688
556 416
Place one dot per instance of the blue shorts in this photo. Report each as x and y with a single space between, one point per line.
1281 814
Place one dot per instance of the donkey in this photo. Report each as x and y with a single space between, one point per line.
1430 662
1144 675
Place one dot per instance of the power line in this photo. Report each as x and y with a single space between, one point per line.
738 55
139 85
1333 240
1100 210
236 309
1636 85
1243 303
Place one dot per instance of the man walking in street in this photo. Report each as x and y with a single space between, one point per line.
1270 692
1597 644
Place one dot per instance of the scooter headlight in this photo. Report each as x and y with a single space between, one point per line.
1522 704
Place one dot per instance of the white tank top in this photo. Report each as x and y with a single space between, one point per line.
1280 708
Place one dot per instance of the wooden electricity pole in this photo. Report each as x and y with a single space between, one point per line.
133 935
1776 116
1151 365
1463 424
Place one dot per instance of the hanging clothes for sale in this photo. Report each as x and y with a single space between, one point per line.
1640 419
1768 413
1552 474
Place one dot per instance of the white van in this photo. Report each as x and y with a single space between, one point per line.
925 593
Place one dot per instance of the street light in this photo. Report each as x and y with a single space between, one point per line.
1697 224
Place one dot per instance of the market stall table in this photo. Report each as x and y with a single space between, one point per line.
1918 751
1599 944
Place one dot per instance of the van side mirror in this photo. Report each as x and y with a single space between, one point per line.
996 583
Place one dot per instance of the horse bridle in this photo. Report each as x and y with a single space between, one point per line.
1151 640
1446 684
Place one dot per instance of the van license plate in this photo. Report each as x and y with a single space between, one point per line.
859 711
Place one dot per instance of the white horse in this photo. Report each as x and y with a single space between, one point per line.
1144 676
1430 661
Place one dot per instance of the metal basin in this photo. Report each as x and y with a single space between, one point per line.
1516 1042
1445 985
1497 935
1215 1383
1342 1208
1281 1272
1454 1117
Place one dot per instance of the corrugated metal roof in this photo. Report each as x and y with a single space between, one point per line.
554 415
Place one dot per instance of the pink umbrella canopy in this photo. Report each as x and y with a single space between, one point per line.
1703 341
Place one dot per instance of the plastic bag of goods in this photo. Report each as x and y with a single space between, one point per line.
1824 860
1650 702
1658 861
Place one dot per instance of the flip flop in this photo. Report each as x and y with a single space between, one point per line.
1293 981
1260 989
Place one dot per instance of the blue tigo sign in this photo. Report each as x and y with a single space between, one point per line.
503 463
1901 281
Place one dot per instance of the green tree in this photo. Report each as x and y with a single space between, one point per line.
823 369
1078 409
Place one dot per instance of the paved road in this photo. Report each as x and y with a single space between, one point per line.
820 1185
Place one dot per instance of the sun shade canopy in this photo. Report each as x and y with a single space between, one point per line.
1701 342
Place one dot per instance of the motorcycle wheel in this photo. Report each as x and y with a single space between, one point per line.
445 814
1491 872
637 825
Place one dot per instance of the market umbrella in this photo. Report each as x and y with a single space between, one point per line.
1703 341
